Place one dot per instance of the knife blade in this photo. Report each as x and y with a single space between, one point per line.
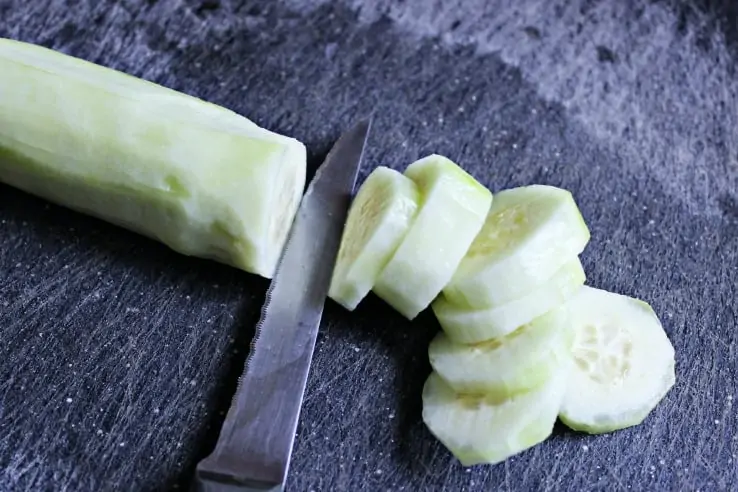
254 447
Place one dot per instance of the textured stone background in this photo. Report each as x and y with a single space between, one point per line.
119 356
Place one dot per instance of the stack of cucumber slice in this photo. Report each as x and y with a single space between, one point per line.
524 341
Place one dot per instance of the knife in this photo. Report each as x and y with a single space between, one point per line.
255 443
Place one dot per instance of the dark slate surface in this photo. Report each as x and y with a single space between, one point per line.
119 356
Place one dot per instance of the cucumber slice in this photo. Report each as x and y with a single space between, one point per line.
483 429
379 217
464 325
529 234
518 362
452 210
201 179
623 362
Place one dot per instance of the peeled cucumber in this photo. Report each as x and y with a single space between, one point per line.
529 234
378 219
467 325
505 366
203 180
623 362
453 206
486 429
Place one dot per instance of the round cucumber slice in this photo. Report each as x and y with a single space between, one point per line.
518 362
623 362
464 325
452 211
529 234
483 429
379 217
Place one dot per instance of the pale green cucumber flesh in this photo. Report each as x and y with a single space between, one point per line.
502 367
175 105
467 325
452 209
379 217
204 181
623 362
482 429
529 234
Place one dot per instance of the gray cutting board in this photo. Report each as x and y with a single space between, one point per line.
118 356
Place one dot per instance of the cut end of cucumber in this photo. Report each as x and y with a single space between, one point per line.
287 188
485 429
529 233
516 363
466 325
623 362
453 206
378 219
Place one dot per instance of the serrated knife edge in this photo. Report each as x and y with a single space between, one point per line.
255 444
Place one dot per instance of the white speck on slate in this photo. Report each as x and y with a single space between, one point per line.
69 400
378 472
717 421
99 432
356 349
391 416
662 462
122 444
585 448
